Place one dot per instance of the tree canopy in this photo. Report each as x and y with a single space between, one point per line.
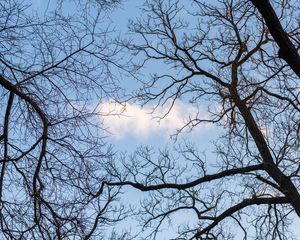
60 178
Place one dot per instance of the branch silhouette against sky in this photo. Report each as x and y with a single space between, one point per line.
155 119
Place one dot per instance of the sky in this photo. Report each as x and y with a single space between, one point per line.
131 125
138 126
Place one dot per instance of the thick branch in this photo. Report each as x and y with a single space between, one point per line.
5 136
287 50
239 206
9 86
286 185
194 183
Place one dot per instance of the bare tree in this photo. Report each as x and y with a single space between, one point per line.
54 71
60 180
221 55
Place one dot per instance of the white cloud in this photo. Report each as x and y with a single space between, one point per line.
131 119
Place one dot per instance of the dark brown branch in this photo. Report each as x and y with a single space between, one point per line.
9 86
287 50
285 183
239 206
194 183
5 136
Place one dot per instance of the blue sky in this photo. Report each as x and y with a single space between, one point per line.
204 135
138 126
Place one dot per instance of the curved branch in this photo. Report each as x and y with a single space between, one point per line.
239 206
10 87
194 183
